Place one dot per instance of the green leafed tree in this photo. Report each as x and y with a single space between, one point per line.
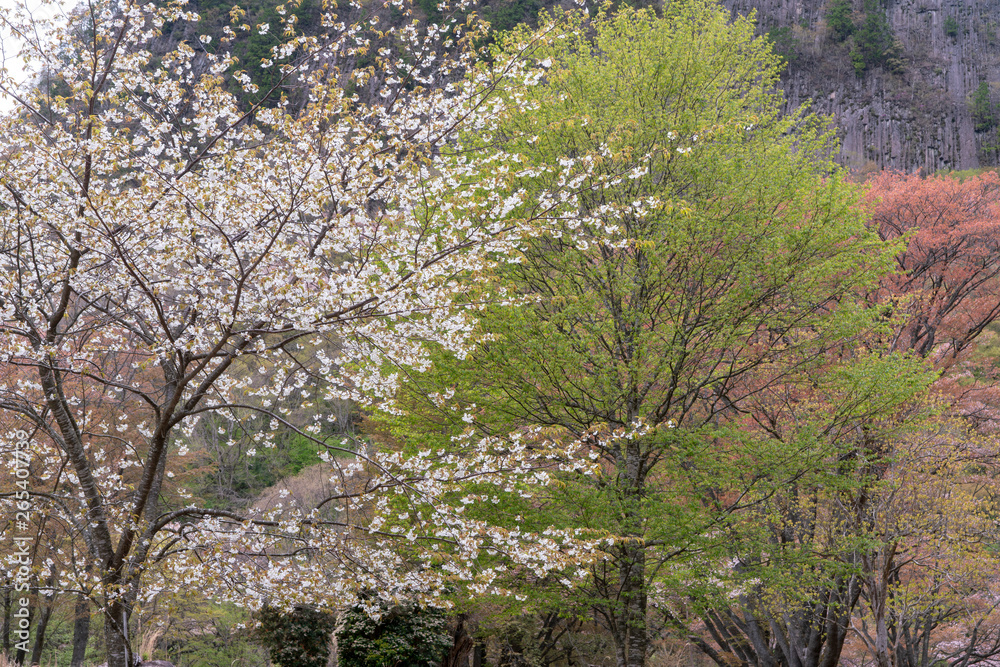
983 113
874 43
951 27
719 271
839 19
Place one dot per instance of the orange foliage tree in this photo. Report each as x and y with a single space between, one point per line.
941 300
944 287
904 533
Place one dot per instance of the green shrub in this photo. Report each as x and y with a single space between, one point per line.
951 26
784 43
839 19
983 114
404 635
858 60
874 43
300 638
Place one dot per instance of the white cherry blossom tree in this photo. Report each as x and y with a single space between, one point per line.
168 253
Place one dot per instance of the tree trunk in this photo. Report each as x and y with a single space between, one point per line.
882 653
21 655
116 636
631 638
804 635
81 631
6 618
629 629
633 590
42 625
458 656
880 566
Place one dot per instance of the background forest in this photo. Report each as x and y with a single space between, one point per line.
388 334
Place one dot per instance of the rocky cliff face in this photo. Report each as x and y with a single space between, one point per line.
914 113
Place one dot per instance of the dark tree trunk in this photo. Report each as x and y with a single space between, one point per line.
629 628
631 640
116 636
458 655
81 631
42 625
6 619
809 635
21 655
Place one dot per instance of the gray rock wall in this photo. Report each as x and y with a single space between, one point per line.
916 118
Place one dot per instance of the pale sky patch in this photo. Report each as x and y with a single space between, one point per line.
11 44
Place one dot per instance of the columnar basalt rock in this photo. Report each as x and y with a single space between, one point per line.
914 113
